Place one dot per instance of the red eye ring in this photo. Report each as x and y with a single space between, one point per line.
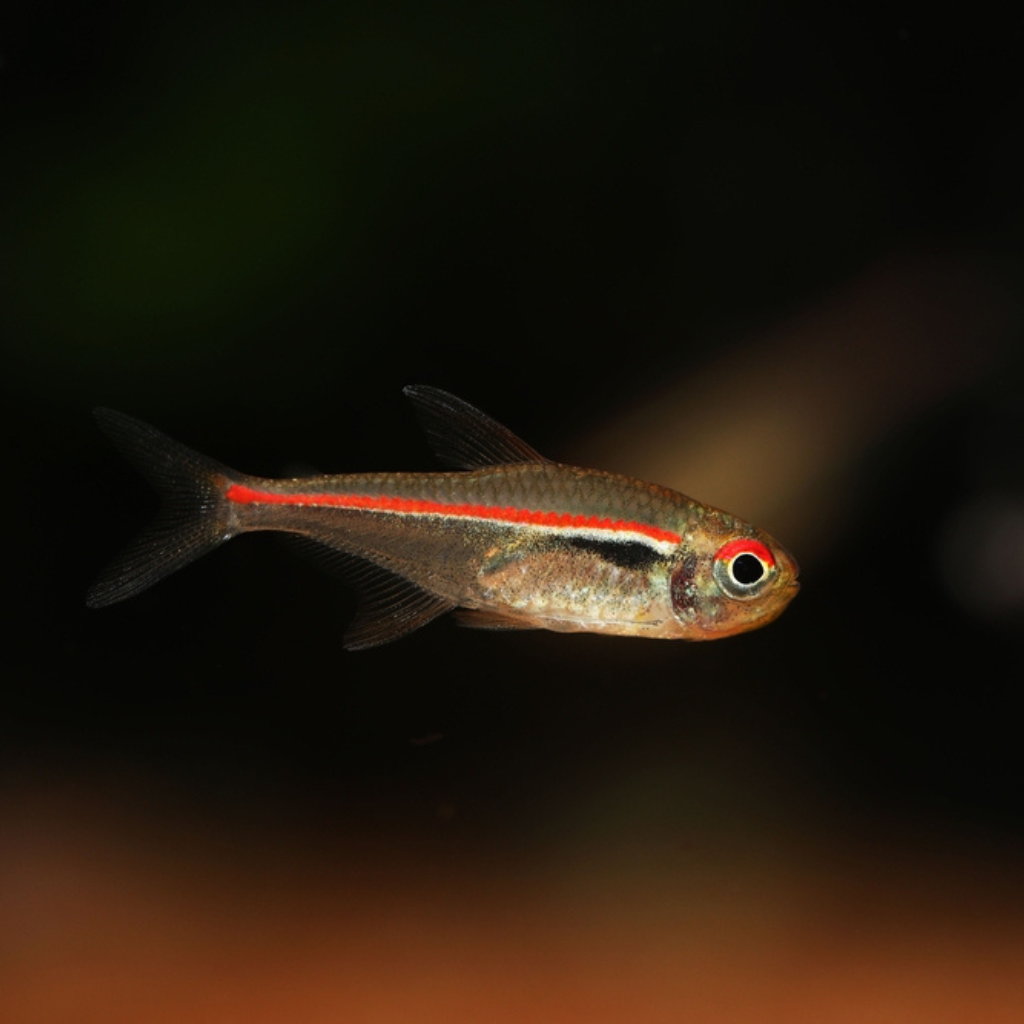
743 567
745 546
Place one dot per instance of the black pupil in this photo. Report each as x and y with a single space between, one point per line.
747 569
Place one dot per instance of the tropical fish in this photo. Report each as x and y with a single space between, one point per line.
510 539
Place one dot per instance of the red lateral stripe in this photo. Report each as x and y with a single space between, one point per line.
415 506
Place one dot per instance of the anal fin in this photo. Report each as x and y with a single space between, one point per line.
389 607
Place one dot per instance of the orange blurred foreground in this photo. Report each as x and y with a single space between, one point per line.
106 919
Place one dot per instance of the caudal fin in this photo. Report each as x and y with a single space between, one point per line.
194 516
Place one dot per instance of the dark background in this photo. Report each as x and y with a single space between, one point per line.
769 255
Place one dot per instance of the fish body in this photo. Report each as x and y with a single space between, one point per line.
510 539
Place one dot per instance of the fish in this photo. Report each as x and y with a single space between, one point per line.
506 538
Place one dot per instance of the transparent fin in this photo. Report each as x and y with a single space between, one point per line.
462 436
193 514
479 618
389 605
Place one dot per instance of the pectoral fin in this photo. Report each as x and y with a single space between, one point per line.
481 618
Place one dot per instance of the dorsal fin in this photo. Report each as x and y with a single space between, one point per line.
464 437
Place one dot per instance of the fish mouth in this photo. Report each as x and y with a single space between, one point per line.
791 569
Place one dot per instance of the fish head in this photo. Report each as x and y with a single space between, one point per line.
731 582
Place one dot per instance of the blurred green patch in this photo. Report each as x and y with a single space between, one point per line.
257 160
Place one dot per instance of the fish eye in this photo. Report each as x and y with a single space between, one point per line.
743 567
747 569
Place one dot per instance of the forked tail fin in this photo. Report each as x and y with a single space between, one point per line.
194 517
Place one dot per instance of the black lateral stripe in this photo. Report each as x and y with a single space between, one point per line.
626 554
